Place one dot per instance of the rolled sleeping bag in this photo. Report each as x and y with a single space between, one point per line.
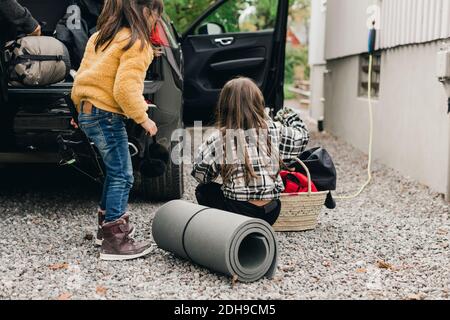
223 242
37 61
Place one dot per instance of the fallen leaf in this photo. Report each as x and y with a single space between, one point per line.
234 281
384 265
278 279
88 237
361 270
64 296
416 297
288 268
59 266
101 291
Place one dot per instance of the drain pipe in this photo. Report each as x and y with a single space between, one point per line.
443 74
317 61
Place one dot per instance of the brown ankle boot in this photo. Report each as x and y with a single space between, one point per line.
101 221
117 243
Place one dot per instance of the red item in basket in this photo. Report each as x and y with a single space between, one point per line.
296 182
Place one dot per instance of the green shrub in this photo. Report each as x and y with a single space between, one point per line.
296 57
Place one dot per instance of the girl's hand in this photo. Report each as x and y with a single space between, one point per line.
150 127
73 123
37 32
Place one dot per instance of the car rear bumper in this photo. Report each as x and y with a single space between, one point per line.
28 157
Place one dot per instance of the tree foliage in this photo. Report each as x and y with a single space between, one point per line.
184 12
262 16
295 58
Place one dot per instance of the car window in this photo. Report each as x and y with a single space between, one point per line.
183 13
240 16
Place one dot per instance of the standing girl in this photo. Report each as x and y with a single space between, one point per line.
107 90
246 151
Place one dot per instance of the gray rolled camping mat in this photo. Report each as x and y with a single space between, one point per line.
224 242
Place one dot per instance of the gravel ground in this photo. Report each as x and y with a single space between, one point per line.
390 243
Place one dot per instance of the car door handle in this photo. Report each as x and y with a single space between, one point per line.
224 41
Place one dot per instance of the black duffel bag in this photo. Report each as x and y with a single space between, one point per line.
323 171
76 39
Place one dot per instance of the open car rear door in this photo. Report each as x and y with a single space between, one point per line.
234 38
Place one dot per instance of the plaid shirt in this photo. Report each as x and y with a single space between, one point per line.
290 135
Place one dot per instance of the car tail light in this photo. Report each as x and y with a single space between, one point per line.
159 36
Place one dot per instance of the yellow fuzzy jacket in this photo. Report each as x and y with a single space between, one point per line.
113 79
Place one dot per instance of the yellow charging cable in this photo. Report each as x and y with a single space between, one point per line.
369 165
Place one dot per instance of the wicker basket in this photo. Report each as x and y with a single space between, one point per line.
300 211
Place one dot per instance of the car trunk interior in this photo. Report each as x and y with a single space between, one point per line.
39 114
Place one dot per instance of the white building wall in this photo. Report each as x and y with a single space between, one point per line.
346 27
410 117
317 32
412 127
401 22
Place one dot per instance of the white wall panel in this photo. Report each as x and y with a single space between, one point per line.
413 21
403 22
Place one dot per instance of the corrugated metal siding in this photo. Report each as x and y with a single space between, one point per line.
413 21
402 22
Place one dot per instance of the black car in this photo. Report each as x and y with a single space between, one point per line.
183 83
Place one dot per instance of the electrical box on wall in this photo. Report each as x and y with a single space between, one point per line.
443 64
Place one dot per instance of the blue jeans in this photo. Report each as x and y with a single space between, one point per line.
108 132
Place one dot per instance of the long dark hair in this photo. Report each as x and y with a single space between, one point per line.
140 16
241 107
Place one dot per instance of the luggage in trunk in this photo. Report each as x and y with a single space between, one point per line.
37 61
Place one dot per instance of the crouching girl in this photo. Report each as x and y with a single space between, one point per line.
246 151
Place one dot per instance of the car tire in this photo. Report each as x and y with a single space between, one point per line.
168 187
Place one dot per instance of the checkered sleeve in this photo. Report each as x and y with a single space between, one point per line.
294 135
206 169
